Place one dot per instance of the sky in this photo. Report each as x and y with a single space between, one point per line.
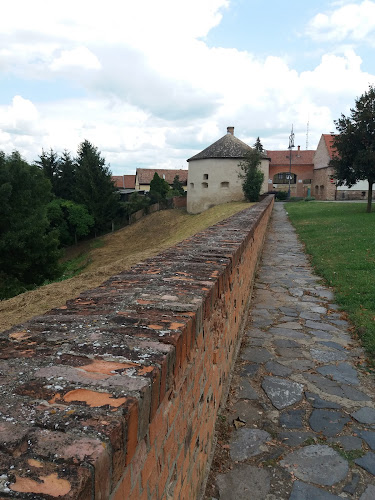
150 83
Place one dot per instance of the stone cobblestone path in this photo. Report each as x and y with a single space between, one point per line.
300 417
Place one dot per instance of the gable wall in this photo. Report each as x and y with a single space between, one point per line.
321 157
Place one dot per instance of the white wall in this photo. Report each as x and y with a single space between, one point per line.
214 181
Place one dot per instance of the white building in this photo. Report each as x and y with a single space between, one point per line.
213 176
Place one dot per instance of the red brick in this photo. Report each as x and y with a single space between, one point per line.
132 432
170 448
154 478
138 461
163 480
158 428
155 392
124 488
149 465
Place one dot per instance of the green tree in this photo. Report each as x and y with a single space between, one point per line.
70 219
65 184
94 187
251 175
177 186
354 159
258 146
158 188
49 163
28 248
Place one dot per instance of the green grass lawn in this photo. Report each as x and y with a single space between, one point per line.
340 237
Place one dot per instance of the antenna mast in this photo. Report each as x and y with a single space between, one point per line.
307 134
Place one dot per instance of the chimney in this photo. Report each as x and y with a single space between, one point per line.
230 130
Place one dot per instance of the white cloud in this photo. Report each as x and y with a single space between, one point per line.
352 21
20 117
154 91
80 57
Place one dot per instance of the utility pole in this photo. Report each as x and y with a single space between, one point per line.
290 147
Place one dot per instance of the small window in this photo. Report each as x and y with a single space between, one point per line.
204 184
205 176
192 185
224 185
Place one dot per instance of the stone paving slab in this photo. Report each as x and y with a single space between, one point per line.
300 417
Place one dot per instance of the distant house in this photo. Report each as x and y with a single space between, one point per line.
301 167
125 185
144 176
324 184
213 173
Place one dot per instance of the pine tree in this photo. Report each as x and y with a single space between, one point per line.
49 163
177 186
65 185
258 146
28 248
158 188
94 187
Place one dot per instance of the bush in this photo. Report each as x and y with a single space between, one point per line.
251 175
281 195
309 198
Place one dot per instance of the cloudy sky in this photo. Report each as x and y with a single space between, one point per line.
152 82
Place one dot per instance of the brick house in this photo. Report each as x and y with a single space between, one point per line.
125 185
144 176
324 185
302 168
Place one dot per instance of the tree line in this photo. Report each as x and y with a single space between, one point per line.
52 203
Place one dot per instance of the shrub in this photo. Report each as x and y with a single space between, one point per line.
281 195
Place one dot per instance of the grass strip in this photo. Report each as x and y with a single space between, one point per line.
340 238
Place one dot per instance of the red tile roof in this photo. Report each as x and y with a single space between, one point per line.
298 157
145 175
329 139
124 181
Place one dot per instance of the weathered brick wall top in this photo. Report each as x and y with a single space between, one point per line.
80 384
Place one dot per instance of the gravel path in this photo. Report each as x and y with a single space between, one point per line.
301 409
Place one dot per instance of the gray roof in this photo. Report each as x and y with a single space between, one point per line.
226 147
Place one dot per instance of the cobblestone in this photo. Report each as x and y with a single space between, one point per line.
302 364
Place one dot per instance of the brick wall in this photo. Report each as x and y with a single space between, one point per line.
302 172
115 395
179 201
322 188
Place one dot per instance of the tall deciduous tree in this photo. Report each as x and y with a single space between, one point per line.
251 175
94 187
70 219
354 159
28 248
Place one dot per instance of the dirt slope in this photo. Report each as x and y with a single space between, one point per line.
120 251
